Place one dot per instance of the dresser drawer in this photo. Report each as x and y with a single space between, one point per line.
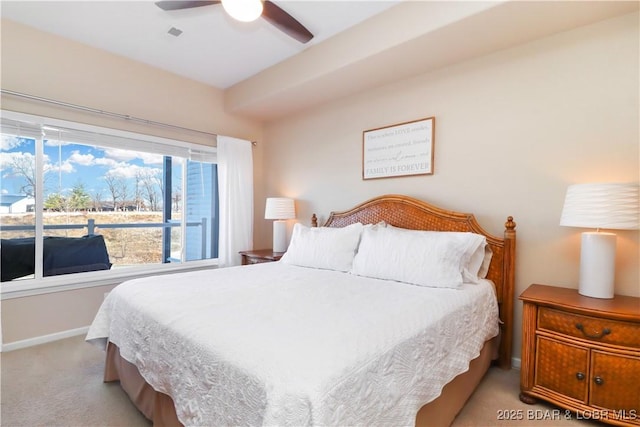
616 382
562 368
590 328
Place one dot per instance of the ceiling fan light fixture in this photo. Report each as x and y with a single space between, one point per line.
243 10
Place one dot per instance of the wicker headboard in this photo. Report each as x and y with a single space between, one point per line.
407 212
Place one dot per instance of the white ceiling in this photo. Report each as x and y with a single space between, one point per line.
213 48
358 44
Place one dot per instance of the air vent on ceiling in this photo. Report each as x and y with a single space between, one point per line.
174 31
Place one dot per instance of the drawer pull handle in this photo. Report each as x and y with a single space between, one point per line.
580 376
598 380
605 331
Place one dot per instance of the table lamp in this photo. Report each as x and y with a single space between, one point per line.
608 206
280 209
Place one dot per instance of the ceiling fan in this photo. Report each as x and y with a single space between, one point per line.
269 11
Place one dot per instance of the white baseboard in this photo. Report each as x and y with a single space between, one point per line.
17 345
516 363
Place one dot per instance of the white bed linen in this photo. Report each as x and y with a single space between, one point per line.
277 344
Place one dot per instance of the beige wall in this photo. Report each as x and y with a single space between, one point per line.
51 67
513 130
48 66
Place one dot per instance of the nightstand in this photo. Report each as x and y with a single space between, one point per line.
260 255
582 353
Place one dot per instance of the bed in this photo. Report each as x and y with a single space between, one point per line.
314 339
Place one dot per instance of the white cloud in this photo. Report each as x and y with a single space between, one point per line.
64 167
81 159
103 161
127 155
10 142
151 159
125 170
27 160
9 159
55 143
119 154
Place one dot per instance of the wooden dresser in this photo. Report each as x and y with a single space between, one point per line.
581 353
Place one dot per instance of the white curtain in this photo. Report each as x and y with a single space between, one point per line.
235 191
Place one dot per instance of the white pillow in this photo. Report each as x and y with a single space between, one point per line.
425 258
323 247
478 265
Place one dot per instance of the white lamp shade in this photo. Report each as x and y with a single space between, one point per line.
279 208
611 206
243 10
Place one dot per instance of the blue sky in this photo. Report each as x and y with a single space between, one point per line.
69 164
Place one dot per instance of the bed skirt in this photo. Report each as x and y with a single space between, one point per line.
159 408
156 406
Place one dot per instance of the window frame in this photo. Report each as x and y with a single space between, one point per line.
50 284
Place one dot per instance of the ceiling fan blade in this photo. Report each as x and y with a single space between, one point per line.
285 22
181 4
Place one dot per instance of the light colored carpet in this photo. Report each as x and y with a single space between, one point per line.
60 384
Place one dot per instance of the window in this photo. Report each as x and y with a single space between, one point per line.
82 199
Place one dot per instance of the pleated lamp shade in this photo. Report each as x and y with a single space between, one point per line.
609 206
280 209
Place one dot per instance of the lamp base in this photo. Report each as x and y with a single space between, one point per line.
279 236
597 265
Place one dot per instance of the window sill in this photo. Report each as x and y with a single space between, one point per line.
68 282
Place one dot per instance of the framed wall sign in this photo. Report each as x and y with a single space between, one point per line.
399 150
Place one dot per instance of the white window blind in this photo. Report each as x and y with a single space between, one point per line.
59 130
21 129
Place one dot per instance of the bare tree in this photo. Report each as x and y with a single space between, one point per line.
138 190
151 193
117 187
97 200
113 189
150 185
123 189
176 193
25 167
177 198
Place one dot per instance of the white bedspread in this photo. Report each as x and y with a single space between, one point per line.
276 344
